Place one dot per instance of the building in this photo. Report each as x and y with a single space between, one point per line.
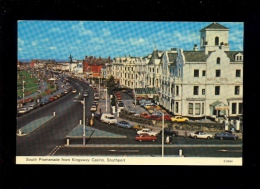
209 82
194 83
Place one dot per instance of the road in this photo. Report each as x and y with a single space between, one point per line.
50 139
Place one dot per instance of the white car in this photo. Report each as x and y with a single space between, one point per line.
108 118
201 134
93 108
147 131
23 110
74 90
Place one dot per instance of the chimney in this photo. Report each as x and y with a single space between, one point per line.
195 48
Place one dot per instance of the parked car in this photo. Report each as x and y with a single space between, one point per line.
145 137
97 116
153 117
147 131
201 134
51 99
138 127
123 124
74 90
33 106
108 118
23 111
143 114
170 132
226 135
85 94
179 119
65 91
93 108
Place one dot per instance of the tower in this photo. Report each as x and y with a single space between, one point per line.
213 37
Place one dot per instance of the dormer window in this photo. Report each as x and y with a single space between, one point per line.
239 57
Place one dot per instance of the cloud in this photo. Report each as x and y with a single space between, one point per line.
20 42
106 32
53 48
137 41
55 30
45 40
81 30
97 40
34 43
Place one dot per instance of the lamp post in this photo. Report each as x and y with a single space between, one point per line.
23 90
162 134
84 128
106 99
99 86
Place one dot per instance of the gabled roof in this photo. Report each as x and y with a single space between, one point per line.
172 56
195 56
214 25
154 56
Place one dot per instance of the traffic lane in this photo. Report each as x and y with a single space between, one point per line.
58 106
151 151
43 140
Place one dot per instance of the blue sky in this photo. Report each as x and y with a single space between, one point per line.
59 39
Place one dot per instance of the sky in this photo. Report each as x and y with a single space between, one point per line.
58 39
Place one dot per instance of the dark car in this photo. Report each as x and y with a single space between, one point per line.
226 135
97 116
170 132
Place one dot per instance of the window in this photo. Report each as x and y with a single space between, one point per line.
196 73
197 108
195 90
237 90
202 108
216 41
203 91
203 72
179 72
218 60
153 70
238 73
218 73
217 90
177 90
240 108
157 70
177 107
234 108
191 108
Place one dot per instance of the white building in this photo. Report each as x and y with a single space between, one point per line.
207 82
196 83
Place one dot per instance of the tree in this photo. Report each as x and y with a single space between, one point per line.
110 82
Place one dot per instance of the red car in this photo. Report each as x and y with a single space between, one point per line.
153 117
145 137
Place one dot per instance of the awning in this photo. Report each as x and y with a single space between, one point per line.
219 105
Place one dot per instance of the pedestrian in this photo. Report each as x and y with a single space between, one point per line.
170 140
167 140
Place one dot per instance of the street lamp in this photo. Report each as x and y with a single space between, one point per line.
84 127
162 134
23 90
106 99
99 86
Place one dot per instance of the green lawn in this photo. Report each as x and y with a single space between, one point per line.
31 84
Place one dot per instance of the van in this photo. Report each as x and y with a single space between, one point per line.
108 118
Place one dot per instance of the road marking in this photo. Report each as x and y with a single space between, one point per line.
229 150
54 150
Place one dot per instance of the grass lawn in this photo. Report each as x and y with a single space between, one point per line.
30 85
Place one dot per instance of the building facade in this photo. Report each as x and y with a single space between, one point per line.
193 83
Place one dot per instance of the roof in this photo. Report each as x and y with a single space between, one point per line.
231 55
195 56
214 25
172 56
154 56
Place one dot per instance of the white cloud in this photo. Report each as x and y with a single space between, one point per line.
137 41
45 40
34 43
118 41
53 48
97 40
20 49
106 32
55 30
81 30
20 42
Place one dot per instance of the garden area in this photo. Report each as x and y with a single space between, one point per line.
30 85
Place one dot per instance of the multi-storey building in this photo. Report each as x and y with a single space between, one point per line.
196 83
